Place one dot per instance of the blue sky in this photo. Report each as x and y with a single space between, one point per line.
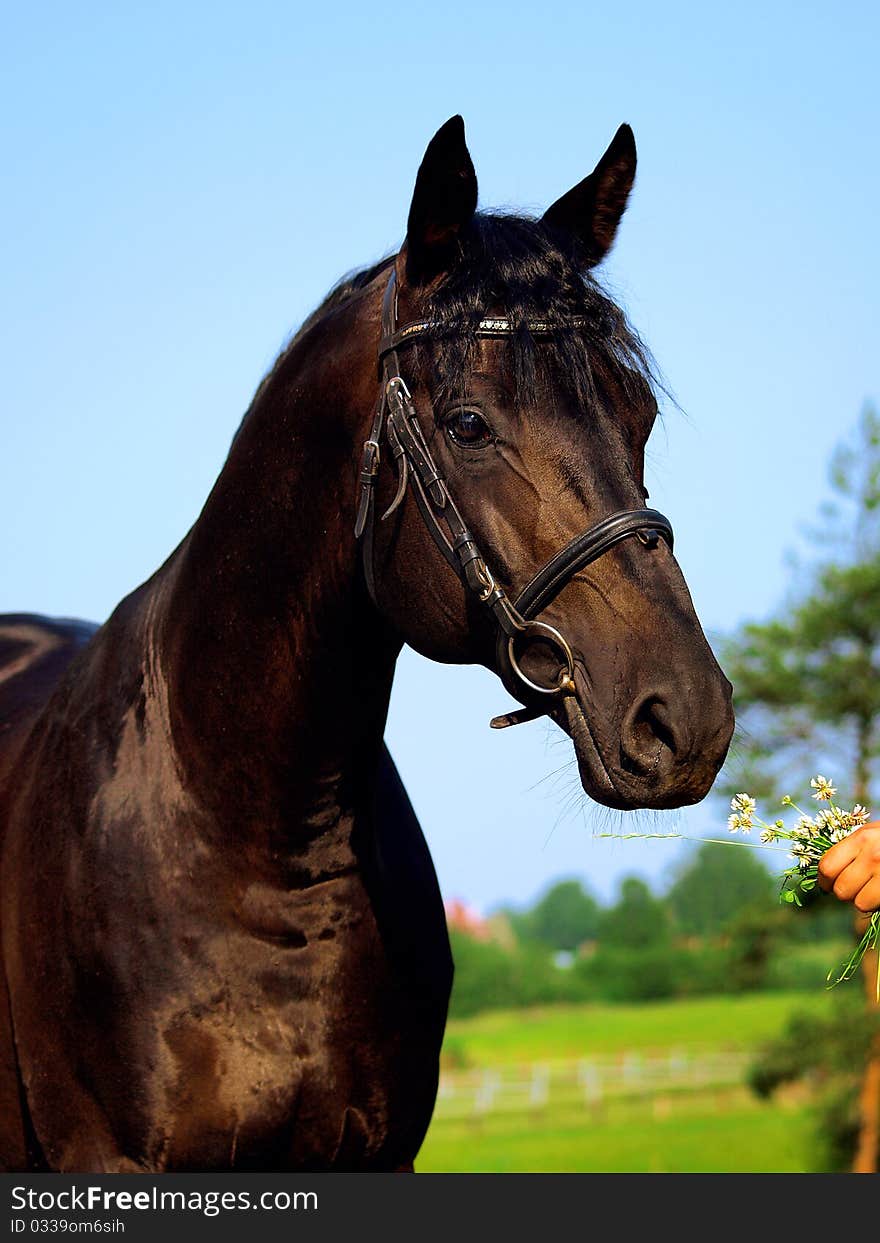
183 182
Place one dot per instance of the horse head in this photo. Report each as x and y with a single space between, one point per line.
515 402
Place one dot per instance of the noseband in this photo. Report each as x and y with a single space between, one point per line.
517 621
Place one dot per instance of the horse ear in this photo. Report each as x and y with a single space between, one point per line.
593 209
444 200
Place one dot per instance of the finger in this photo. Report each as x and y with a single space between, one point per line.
868 897
853 879
836 858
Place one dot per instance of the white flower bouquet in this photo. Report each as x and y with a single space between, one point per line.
809 838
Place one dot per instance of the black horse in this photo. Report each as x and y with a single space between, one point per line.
223 941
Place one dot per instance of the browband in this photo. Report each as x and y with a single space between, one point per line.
499 326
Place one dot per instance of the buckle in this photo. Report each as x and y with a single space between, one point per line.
397 394
370 462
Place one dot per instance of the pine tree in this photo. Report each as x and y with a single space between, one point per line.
807 682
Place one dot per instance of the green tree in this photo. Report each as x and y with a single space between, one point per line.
638 921
754 935
806 682
565 917
715 886
489 976
807 685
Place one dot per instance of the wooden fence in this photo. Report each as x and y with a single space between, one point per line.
657 1077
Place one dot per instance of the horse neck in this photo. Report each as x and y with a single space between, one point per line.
278 667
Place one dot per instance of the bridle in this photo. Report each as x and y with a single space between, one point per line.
517 621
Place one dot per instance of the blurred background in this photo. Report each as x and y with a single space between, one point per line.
183 184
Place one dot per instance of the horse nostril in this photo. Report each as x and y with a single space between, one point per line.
648 742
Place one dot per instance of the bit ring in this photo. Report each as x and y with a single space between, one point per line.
533 630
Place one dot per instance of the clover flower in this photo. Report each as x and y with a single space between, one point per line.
743 808
824 790
805 828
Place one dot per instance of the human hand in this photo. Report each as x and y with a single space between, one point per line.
851 868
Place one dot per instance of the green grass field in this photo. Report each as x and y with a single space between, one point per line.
712 1127
734 1137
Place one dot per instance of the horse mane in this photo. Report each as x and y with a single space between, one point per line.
345 288
519 267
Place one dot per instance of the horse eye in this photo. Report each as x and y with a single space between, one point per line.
469 429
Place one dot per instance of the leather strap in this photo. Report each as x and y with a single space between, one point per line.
498 326
545 586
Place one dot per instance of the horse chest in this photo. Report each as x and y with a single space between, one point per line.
304 1049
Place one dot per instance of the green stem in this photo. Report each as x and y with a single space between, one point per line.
685 837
